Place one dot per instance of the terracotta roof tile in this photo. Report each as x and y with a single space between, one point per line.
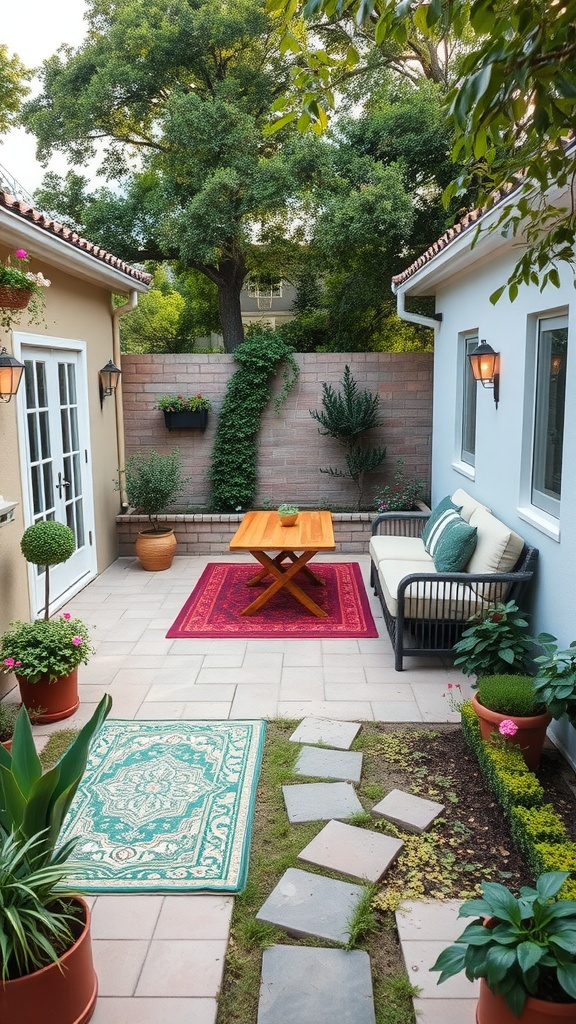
28 213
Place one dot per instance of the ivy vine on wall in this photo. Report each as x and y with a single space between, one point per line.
234 469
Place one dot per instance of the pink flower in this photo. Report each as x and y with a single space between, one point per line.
9 662
21 254
66 615
77 640
17 664
507 727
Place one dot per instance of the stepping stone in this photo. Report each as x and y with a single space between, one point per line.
412 813
329 764
321 801
327 731
301 985
305 904
353 851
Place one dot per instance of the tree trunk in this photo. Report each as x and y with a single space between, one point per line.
231 278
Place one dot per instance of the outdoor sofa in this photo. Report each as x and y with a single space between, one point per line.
426 608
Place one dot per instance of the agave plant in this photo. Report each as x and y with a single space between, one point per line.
33 805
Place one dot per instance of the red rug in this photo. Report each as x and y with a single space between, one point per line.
214 606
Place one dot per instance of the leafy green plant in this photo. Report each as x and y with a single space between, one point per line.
8 716
37 921
347 415
555 683
178 403
47 543
509 695
402 494
528 946
153 482
288 510
233 473
50 647
14 275
33 805
496 641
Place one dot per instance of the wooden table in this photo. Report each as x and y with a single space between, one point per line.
262 532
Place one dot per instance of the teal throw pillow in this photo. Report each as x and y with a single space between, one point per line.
455 546
439 517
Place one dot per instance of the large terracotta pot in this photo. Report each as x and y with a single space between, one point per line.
531 731
156 549
492 1009
57 700
62 993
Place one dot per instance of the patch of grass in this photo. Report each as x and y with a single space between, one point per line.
363 920
393 998
56 746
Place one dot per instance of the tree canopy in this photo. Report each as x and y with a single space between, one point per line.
13 87
512 104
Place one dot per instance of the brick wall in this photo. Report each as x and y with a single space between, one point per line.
291 451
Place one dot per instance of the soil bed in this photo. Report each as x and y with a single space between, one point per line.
470 843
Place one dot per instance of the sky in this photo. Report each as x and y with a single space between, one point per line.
34 29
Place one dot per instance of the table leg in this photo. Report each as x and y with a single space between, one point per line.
278 559
283 578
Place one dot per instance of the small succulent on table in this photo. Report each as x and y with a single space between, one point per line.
555 683
288 510
522 946
495 641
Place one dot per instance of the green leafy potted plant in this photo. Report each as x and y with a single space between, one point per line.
20 289
496 641
47 973
512 698
185 413
288 514
47 543
45 655
401 495
153 482
523 949
555 683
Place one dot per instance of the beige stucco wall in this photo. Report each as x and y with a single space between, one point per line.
77 310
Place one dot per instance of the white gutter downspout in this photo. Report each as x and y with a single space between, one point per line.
116 358
414 318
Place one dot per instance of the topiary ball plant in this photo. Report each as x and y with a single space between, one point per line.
47 543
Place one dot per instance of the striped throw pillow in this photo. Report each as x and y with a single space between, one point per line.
444 512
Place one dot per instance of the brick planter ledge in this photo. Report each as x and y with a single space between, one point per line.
204 534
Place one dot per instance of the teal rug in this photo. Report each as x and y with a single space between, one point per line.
166 807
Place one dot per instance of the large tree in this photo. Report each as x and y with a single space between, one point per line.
177 94
13 87
512 105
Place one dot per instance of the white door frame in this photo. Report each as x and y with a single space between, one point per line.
22 341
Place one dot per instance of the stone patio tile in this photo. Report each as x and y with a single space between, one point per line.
128 676
313 676
183 967
304 904
357 852
236 676
223 660
410 812
183 672
430 919
204 709
396 711
125 917
255 701
194 917
188 691
124 629
315 986
326 731
445 1011
340 647
317 762
320 801
301 687
303 654
419 957
167 709
118 963
366 691
350 710
155 1011
102 669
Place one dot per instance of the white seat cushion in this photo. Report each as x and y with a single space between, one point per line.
468 503
429 598
410 548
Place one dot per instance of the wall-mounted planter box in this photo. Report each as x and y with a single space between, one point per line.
186 420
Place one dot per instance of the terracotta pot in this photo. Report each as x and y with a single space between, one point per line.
62 993
7 744
289 520
156 549
492 1009
57 700
14 298
531 731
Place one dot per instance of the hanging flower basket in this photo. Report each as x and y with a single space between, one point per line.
14 298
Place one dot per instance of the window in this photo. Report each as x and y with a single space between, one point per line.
468 436
551 354
264 287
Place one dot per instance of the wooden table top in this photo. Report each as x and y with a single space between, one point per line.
262 531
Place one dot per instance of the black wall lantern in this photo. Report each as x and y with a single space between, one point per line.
10 375
109 377
485 363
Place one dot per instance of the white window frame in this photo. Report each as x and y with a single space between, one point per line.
468 404
542 498
256 290
464 461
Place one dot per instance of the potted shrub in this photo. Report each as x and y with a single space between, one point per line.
185 413
495 642
153 482
403 495
20 289
46 973
288 514
47 543
508 698
45 655
8 716
523 949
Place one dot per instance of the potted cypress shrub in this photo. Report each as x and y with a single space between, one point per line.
523 949
46 969
153 482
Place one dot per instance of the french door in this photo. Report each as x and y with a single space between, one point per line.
56 464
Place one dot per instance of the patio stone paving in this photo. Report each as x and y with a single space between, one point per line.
304 904
357 852
315 762
315 986
214 679
320 801
328 732
410 812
